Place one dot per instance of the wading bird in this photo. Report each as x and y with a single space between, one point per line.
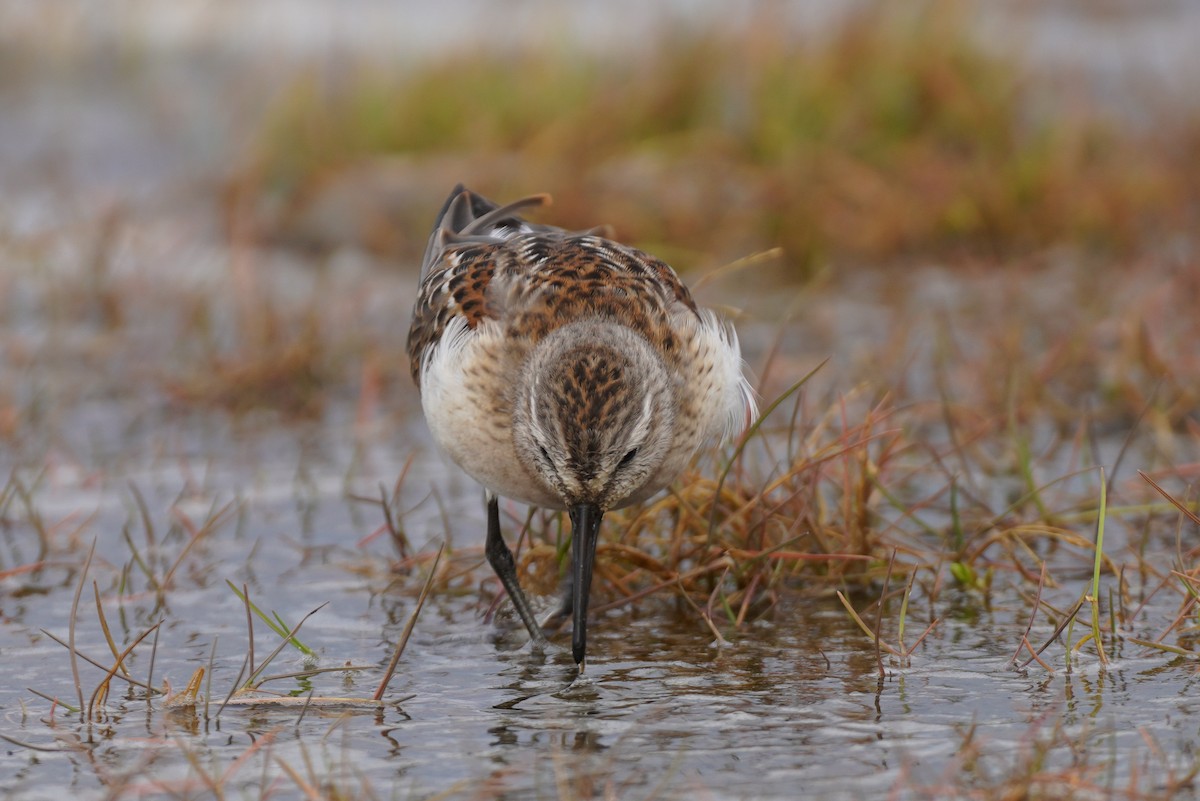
564 370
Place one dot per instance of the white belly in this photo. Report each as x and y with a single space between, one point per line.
465 391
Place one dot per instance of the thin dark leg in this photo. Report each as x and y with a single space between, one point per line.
501 560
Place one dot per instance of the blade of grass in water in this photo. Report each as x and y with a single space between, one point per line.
408 628
1174 501
286 638
1095 594
865 628
71 625
101 691
276 624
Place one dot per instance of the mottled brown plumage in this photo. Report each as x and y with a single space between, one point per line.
564 370
536 282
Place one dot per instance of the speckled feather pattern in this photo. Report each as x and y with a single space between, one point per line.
494 296
533 283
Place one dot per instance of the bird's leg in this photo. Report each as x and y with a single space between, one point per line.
501 560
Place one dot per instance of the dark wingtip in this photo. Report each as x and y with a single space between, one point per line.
497 214
467 214
454 195
456 214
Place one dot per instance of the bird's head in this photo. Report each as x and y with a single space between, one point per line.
594 417
593 420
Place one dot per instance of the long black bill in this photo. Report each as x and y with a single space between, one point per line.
585 532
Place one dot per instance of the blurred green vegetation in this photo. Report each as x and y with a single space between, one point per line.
893 133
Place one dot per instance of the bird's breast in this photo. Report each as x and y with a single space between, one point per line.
466 395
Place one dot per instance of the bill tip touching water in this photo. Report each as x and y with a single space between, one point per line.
567 371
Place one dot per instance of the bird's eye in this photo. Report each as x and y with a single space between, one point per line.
545 454
627 458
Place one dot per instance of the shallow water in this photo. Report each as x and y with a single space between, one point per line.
794 703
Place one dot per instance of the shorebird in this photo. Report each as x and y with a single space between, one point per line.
564 370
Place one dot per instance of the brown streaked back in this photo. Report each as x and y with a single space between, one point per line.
485 262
